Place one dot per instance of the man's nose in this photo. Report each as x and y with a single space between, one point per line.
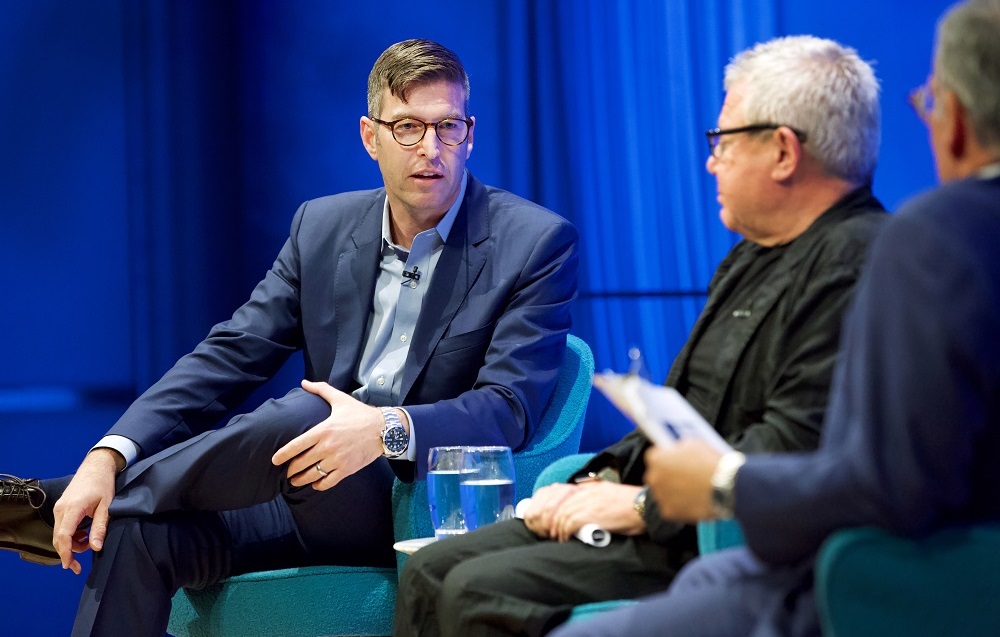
430 144
710 164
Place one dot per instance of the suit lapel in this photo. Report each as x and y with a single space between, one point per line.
354 291
777 282
763 302
461 262
724 280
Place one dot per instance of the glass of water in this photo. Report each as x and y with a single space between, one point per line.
444 465
486 485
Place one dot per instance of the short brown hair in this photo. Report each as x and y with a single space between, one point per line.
413 62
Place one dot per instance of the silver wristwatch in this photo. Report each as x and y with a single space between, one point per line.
395 440
723 483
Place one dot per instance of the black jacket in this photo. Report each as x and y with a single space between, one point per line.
782 359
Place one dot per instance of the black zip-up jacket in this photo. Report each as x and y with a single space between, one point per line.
782 357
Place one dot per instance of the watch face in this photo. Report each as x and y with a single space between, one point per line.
395 440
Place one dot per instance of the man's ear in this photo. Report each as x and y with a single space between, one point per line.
955 125
472 131
369 130
788 151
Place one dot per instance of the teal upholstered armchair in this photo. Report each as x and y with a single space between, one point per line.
869 582
341 600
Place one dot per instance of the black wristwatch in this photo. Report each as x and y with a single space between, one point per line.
395 440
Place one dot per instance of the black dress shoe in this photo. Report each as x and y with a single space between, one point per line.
22 528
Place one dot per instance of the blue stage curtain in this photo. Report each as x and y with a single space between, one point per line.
596 110
606 106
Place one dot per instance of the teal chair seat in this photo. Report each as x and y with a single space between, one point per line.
870 583
343 600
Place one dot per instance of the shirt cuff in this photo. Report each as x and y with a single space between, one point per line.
125 446
411 448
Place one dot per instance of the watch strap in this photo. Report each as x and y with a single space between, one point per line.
639 503
724 483
392 421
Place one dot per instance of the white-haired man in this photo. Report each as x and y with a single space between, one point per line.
913 432
793 156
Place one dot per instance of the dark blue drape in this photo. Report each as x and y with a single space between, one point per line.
162 147
152 154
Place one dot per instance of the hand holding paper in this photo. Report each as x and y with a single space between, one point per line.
680 479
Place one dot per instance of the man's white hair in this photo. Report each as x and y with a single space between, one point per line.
820 88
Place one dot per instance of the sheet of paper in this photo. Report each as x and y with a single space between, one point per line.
662 414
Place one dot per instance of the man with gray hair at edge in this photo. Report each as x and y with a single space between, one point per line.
793 156
913 432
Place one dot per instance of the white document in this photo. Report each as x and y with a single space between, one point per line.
662 414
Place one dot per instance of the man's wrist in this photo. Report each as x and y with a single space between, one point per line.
639 503
724 483
111 457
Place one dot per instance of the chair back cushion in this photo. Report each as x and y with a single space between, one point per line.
871 583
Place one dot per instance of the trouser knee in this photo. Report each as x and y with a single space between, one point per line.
284 418
179 550
465 593
419 588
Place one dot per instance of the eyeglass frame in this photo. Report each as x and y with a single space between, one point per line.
469 122
923 100
716 133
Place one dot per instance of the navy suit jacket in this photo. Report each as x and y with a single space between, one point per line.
913 431
484 356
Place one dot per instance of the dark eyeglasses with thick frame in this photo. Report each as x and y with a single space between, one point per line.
714 134
409 131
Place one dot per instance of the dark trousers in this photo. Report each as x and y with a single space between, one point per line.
214 506
503 580
726 594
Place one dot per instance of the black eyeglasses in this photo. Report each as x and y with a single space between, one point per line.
409 131
714 134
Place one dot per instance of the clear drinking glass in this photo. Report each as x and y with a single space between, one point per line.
444 465
486 485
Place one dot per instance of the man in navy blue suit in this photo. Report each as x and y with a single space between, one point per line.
433 311
913 431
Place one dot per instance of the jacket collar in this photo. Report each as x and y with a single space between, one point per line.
727 277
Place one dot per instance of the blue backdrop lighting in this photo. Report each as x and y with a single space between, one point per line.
152 155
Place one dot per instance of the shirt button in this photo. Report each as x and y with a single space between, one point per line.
381 380
403 338
413 284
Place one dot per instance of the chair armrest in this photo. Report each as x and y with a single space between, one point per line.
561 469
